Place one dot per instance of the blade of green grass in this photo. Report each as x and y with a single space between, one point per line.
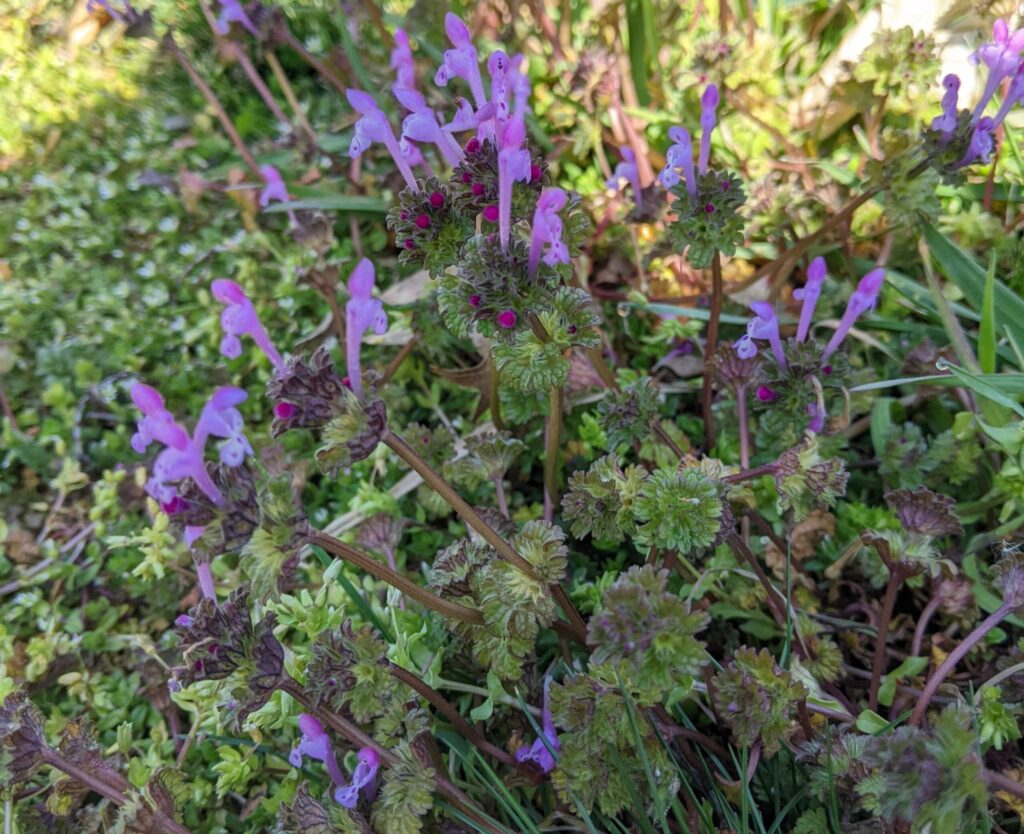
987 330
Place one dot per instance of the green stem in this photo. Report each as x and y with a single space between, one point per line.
474 520
552 442
444 607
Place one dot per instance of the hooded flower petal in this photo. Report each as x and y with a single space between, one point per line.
363 778
239 318
547 230
362 312
863 299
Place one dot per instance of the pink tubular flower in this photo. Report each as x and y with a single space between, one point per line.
626 171
981 144
863 299
1014 95
315 744
679 155
157 422
708 120
422 126
547 230
363 778
1002 57
764 325
231 11
947 121
402 62
239 318
816 421
274 188
221 418
539 752
809 293
362 312
513 165
498 67
518 83
374 127
462 61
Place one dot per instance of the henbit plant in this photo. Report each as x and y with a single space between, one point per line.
653 714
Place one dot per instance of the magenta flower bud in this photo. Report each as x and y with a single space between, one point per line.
765 325
284 411
232 12
184 621
626 171
422 221
679 155
477 190
708 119
362 312
809 293
513 166
363 778
491 214
947 121
507 319
374 127
410 243
436 200
474 301
462 61
547 231
709 208
473 145
539 752
766 394
863 299
239 318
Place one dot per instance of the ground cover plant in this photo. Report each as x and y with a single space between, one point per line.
599 418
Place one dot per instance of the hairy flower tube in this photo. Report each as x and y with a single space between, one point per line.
375 127
364 778
809 294
626 171
863 299
461 61
546 233
402 61
708 120
540 752
316 744
422 125
513 166
764 325
362 312
231 11
238 319
946 123
679 155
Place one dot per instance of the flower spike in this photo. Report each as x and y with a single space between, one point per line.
362 312
810 293
513 165
239 318
462 61
863 299
374 127
547 230
626 171
708 120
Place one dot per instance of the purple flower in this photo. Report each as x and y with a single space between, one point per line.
817 418
708 105
764 325
547 230
315 744
1002 57
231 11
363 777
362 312
982 142
498 67
239 318
402 62
275 189
374 127
157 422
220 418
422 126
947 121
626 171
1013 95
679 155
862 300
809 293
204 574
518 83
538 752
513 164
462 61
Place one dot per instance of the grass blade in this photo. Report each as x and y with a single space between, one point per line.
987 331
